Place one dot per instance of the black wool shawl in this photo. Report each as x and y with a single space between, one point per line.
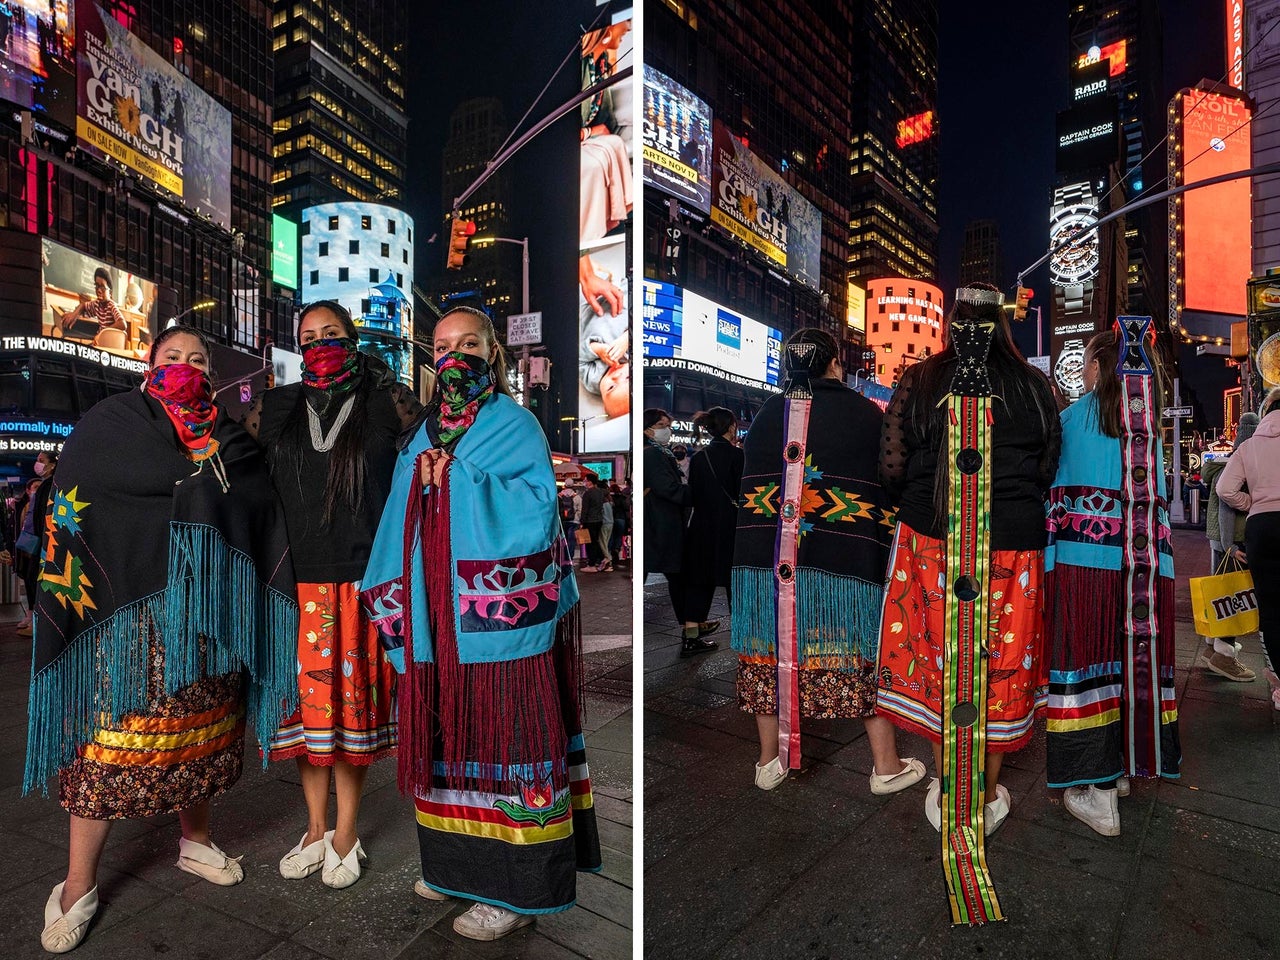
137 533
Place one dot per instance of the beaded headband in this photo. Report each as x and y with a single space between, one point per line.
979 296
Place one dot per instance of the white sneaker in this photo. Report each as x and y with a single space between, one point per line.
771 774
428 893
1100 809
484 921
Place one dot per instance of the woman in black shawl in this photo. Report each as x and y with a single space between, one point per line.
715 472
809 561
165 575
331 443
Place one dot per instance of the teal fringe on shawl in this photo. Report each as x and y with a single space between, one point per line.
213 591
841 617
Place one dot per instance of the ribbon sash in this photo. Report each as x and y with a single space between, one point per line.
964 671
795 418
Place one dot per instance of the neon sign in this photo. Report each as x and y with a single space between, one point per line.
915 129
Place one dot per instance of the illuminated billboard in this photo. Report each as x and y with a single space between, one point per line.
606 201
135 108
1088 135
914 129
284 252
1235 43
903 322
753 203
677 141
1114 54
1213 260
680 325
1089 81
856 316
97 307
38 58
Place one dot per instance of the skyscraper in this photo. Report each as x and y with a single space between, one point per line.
477 129
893 155
340 125
1128 35
980 258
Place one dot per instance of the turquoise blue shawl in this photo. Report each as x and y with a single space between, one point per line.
512 579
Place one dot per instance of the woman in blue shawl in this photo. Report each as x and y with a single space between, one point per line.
471 589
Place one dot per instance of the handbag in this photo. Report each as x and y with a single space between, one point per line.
582 535
27 542
1224 604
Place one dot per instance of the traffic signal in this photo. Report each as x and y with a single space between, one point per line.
1020 305
460 233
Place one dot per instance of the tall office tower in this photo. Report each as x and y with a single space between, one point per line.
340 125
477 129
784 95
1127 35
893 156
980 259
155 197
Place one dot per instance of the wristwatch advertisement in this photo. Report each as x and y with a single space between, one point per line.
1072 271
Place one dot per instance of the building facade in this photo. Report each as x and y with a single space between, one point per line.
339 123
70 215
980 257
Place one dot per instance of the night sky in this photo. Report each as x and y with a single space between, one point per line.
506 49
1002 78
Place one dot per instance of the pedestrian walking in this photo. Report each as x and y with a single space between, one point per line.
809 555
593 521
166 575
1113 713
331 443
1225 530
26 549
666 498
968 451
715 474
1256 465
606 529
472 592
621 522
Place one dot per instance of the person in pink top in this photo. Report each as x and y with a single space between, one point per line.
1256 466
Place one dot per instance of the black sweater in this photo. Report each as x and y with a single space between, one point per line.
1024 457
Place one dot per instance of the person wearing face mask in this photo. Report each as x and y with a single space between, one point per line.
166 576
666 499
331 442
472 592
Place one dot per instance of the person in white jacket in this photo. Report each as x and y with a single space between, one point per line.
1256 465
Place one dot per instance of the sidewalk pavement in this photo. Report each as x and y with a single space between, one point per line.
820 868
151 909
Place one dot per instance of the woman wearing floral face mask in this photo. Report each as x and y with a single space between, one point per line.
331 443
165 576
482 622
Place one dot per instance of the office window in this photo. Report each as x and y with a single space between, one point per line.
353 246
306 228
391 226
344 274
315 277
373 274
324 248
405 254
386 250
399 279
333 223
896 325
366 222
364 307
915 327
875 328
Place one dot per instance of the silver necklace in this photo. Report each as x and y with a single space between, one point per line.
323 442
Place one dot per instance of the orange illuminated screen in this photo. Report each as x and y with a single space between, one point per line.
916 309
915 129
1116 53
1217 221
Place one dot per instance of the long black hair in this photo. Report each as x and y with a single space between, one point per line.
1014 382
344 485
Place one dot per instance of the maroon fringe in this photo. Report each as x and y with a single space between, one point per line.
1085 606
482 718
